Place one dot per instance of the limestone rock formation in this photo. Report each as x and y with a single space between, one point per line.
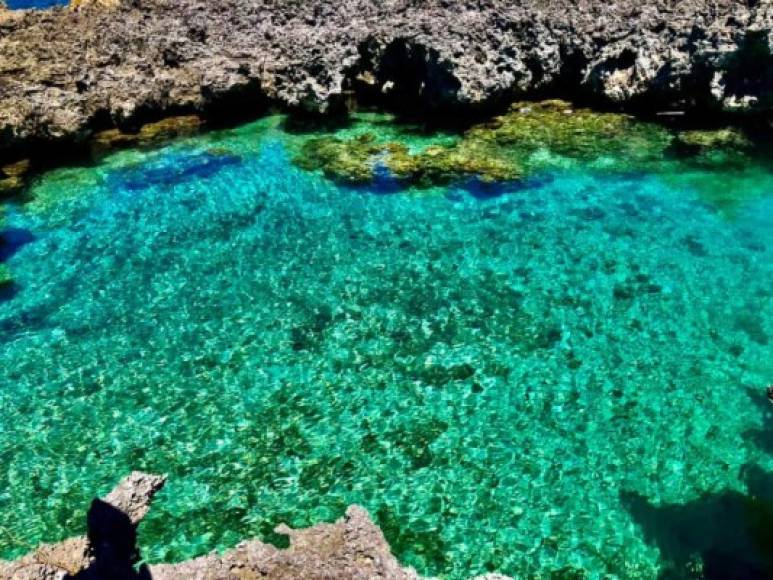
353 547
131 497
67 73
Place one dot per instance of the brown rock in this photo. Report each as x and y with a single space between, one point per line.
351 548
132 496
12 176
17 169
65 74
135 493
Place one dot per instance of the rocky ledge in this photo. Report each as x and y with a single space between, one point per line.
68 72
351 548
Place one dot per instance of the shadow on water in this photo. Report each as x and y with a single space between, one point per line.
8 292
483 190
11 241
762 438
726 535
384 183
176 168
113 540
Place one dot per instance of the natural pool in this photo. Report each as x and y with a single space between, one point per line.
523 373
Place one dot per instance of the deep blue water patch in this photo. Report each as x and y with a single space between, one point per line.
12 240
174 168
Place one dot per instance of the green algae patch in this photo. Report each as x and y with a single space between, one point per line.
438 165
375 143
698 141
6 279
563 131
727 147
347 160
356 160
529 138
720 166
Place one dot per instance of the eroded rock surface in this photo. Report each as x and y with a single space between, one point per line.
353 547
65 73
132 497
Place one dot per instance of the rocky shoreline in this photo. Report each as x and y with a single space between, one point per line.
67 73
351 548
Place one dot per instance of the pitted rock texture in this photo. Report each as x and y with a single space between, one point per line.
353 547
67 72
132 496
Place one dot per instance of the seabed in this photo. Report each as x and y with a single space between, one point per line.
537 347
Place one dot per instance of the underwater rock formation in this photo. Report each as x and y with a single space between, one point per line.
12 176
148 135
67 73
353 547
531 140
530 137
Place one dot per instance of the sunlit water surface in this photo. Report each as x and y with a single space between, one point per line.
489 373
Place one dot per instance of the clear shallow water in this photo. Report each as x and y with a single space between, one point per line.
490 376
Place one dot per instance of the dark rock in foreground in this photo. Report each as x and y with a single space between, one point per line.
65 73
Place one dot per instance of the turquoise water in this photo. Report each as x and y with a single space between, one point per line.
489 370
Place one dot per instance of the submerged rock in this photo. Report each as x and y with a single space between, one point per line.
700 142
149 134
347 160
357 160
530 137
12 176
557 127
